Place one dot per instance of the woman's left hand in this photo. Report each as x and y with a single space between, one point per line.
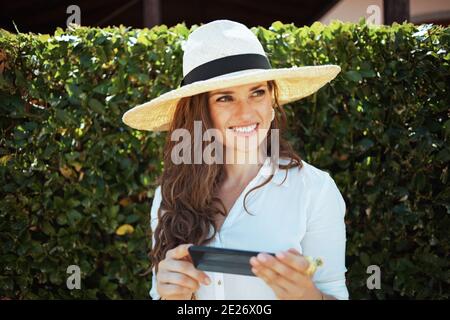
286 275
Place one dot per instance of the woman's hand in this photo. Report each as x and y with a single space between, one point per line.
177 278
287 274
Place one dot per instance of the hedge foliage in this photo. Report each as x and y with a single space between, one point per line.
72 173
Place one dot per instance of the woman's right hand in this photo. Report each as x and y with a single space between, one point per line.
177 278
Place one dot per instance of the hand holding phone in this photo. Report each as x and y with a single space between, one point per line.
177 278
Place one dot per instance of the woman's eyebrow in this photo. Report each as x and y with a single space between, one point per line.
229 91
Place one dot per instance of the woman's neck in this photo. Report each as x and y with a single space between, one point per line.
243 169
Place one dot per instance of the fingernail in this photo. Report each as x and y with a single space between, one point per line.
262 258
207 281
281 255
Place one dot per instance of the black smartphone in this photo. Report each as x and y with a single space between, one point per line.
223 260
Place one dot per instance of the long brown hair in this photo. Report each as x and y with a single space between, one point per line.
189 204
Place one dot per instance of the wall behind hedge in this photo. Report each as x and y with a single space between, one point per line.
77 184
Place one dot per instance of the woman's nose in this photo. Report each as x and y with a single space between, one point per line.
243 109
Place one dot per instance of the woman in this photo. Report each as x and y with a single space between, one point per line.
279 203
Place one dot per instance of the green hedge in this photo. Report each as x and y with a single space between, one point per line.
72 173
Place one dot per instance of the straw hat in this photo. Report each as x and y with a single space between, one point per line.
221 54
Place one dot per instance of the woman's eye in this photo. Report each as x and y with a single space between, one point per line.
220 99
262 91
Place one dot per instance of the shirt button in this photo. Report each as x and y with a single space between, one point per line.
219 282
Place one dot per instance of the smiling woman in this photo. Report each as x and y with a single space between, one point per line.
279 203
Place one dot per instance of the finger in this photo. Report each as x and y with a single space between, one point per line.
254 262
169 290
271 281
178 297
187 268
178 279
293 260
294 251
278 266
188 258
276 279
178 252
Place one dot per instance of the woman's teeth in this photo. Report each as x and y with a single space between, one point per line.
245 129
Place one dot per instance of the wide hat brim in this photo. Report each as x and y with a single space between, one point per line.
294 83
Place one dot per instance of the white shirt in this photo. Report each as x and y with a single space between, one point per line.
306 212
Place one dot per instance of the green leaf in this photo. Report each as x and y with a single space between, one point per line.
74 216
97 106
47 228
62 115
353 75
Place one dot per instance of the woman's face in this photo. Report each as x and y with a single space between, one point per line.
242 114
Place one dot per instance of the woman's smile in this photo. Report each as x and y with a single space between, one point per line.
246 130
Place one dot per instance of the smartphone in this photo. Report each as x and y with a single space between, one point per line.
223 260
